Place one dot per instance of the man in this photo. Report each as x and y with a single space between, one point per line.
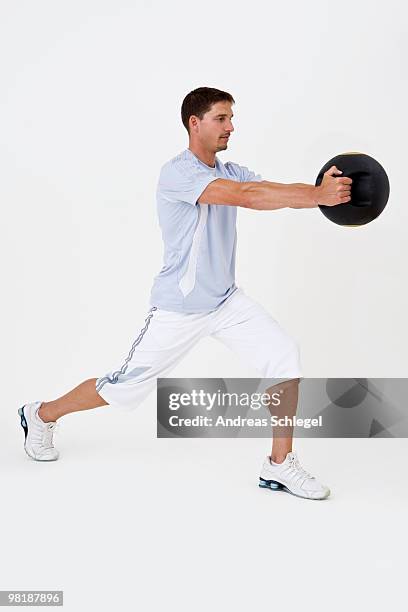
195 294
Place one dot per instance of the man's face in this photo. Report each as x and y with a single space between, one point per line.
214 129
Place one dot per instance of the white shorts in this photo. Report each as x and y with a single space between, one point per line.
240 323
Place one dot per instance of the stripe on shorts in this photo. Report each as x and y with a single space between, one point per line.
115 376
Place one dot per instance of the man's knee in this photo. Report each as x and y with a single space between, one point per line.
290 359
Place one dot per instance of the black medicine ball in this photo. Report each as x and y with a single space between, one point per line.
370 189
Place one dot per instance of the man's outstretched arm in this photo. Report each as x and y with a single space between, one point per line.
265 195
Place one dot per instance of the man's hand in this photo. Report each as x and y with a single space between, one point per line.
333 191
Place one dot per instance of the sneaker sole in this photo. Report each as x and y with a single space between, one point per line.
274 485
23 422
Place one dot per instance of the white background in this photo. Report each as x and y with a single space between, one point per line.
90 96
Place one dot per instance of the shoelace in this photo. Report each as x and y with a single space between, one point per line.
48 432
300 473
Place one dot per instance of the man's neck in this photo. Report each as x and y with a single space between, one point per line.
207 157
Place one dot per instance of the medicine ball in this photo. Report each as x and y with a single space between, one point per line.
370 189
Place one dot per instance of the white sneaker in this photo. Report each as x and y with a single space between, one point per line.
291 477
38 435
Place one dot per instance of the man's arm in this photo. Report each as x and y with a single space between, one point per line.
265 195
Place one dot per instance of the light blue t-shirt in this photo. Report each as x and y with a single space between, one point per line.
198 272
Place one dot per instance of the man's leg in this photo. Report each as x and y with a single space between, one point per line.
135 377
248 329
162 343
282 439
82 397
38 418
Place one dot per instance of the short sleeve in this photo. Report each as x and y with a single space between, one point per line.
242 173
183 181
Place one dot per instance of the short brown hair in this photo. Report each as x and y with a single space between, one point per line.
199 101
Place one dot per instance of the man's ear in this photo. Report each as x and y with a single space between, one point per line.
193 122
